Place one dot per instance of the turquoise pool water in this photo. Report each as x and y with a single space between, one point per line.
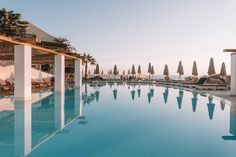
118 121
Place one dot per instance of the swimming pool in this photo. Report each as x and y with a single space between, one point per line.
118 121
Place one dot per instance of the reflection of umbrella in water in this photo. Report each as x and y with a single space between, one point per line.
115 94
133 94
152 92
165 95
97 93
222 105
211 107
194 103
181 93
179 101
149 97
180 98
210 98
195 94
139 92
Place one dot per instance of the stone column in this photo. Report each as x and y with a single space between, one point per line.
59 73
59 114
22 128
22 81
78 73
78 102
233 74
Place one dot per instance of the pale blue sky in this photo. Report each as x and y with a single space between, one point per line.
129 32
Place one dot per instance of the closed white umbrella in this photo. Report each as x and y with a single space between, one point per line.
211 68
149 68
97 71
152 70
194 70
133 72
181 70
115 71
179 67
139 70
166 71
223 70
123 76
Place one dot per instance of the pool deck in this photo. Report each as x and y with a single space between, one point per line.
223 94
218 94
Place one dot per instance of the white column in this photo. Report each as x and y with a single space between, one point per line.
78 102
59 83
22 61
233 74
78 73
59 114
22 128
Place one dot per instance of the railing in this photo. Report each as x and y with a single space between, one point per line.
25 36
53 45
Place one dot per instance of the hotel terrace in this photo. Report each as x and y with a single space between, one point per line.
41 51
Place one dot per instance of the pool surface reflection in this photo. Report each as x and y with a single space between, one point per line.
118 121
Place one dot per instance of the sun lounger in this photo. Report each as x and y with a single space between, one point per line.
210 84
211 87
5 88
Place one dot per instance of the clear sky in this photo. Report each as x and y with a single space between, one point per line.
126 32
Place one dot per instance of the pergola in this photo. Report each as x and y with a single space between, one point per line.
25 52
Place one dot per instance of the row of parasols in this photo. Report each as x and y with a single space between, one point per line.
180 70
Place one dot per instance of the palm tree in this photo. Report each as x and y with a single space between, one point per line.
67 44
11 23
86 60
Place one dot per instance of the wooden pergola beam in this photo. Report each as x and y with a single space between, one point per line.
43 50
229 50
